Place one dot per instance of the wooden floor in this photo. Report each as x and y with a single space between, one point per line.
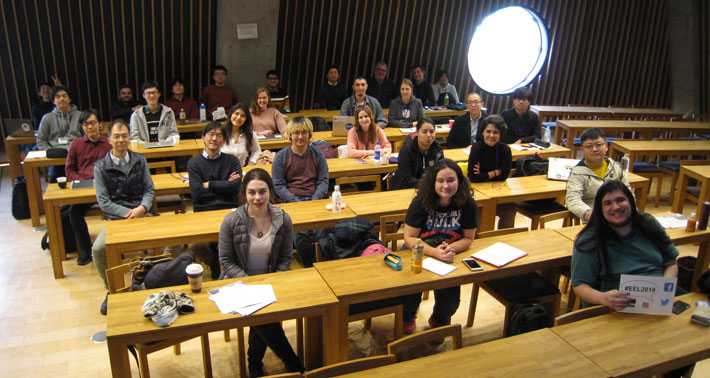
47 323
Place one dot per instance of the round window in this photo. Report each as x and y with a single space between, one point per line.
507 50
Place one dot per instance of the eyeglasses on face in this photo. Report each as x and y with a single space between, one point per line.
590 146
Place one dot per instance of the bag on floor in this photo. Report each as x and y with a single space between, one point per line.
526 317
20 202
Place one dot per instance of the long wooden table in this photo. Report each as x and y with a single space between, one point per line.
187 147
128 235
551 111
539 353
701 173
299 294
329 114
679 237
54 198
639 148
462 154
547 250
639 345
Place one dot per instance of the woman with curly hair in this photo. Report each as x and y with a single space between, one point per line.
241 140
445 217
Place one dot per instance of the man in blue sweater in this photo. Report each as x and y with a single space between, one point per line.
124 190
215 178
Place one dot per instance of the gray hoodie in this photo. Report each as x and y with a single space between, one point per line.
167 128
57 124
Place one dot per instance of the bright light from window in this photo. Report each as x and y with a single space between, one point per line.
507 50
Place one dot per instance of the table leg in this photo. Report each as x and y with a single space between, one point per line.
487 217
701 264
13 157
34 194
558 135
113 257
571 134
331 342
641 194
118 355
56 239
315 339
680 192
340 338
704 194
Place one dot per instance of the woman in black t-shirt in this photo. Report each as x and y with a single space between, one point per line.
444 215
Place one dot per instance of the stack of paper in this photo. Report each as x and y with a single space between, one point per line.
499 254
237 298
436 266
673 221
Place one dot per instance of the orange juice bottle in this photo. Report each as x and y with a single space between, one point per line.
417 255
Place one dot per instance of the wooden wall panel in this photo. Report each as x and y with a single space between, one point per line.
604 52
96 45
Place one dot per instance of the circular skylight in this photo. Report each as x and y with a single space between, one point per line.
507 50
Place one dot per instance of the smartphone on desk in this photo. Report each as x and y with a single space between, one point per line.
472 264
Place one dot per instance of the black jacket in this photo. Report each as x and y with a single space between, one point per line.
412 162
460 134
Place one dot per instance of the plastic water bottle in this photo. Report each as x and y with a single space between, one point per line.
378 151
446 99
625 165
548 134
337 199
203 113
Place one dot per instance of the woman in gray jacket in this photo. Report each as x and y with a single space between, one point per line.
257 238
406 109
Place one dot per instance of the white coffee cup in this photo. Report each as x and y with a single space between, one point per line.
134 144
176 139
194 276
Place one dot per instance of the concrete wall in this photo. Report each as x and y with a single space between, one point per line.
247 60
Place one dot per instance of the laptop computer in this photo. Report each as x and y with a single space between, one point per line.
560 168
341 125
19 128
165 143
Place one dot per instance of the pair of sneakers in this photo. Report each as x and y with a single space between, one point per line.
163 307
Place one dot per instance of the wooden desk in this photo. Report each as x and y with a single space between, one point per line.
125 323
187 147
128 235
372 206
574 128
637 148
660 127
639 345
329 114
460 154
546 250
679 237
12 149
698 172
54 198
552 111
539 353
196 127
345 167
624 112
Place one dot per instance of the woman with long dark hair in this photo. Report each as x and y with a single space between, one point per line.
365 134
257 238
241 140
445 217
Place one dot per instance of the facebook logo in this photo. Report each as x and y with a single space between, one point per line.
668 287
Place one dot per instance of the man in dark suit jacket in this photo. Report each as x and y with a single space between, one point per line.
468 125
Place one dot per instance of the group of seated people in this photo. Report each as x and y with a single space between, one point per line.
258 238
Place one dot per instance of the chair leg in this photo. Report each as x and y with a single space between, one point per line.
472 305
659 184
398 320
226 336
176 349
242 352
206 356
565 284
425 295
368 323
572 301
506 319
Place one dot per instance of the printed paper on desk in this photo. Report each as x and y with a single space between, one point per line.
436 266
649 294
499 254
408 129
36 154
673 221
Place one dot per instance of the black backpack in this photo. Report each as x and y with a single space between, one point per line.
70 244
531 166
20 202
526 317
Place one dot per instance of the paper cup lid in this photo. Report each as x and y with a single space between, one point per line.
193 269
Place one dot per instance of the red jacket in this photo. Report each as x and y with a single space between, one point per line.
83 153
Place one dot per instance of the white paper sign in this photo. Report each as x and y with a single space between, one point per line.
247 31
649 294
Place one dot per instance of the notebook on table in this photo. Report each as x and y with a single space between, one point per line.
499 254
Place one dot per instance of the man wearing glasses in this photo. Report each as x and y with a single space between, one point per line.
468 128
214 183
83 153
380 87
124 190
587 176
153 122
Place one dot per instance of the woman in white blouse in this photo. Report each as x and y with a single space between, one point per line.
242 141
